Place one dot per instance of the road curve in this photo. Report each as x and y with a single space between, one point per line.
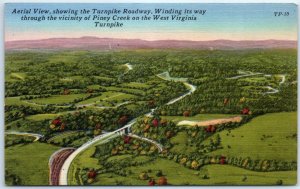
192 89
159 146
37 136
63 176
129 66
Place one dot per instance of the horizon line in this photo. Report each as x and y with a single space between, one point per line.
221 39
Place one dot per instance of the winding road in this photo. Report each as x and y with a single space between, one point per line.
249 73
101 139
37 136
244 74
159 146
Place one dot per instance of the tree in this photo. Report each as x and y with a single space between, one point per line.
186 113
162 181
155 122
159 173
143 176
151 182
195 165
127 139
169 134
217 140
222 160
92 174
123 120
226 101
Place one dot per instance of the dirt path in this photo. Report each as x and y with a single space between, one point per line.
236 119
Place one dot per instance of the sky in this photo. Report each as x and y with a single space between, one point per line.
221 21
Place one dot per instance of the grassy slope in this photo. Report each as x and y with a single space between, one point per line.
248 140
58 99
41 117
136 85
104 96
30 162
82 160
126 90
16 101
179 142
179 175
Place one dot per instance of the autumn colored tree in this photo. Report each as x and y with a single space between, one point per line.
162 181
56 122
186 113
194 164
98 126
123 120
226 101
127 139
155 122
66 92
151 103
242 99
143 176
245 111
89 90
163 122
92 174
183 161
169 134
146 128
151 182
62 126
210 129
222 160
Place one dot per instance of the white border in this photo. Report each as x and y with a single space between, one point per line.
2 77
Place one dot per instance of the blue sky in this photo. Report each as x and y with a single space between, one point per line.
221 21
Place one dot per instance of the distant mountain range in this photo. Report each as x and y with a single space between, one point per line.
95 43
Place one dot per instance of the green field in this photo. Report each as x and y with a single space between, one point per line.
108 97
16 101
82 160
41 117
176 174
136 85
59 137
103 96
105 78
12 139
198 117
59 99
121 97
179 142
30 162
126 90
268 136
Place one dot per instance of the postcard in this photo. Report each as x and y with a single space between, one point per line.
150 94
